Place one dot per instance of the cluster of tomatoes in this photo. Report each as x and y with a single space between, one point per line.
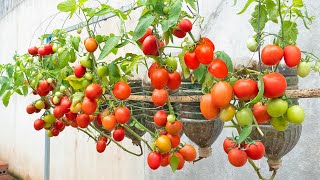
238 156
150 43
41 51
181 30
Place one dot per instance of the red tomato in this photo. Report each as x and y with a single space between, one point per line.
43 86
122 115
79 71
208 109
59 125
102 138
174 128
41 51
255 151
160 97
237 157
52 85
174 81
275 85
118 134
83 120
154 66
148 33
38 124
121 90
260 113
165 160
207 41
160 118
159 78
245 89
181 160
191 60
55 132
30 109
229 144
154 160
174 139
271 55
179 33
89 106
292 56
204 54
70 116
33 50
222 94
150 44
185 25
48 49
93 91
58 112
101 146
218 69
65 104
109 122
188 152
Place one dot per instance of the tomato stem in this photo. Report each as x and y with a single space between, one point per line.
145 128
136 135
192 37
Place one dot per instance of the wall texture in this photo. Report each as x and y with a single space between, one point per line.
74 157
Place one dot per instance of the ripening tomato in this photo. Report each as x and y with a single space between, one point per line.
74 124
90 44
227 113
275 84
160 118
154 160
48 49
229 144
160 97
163 143
218 69
204 54
30 109
79 71
174 81
33 50
122 115
185 25
101 146
207 41
121 90
118 134
83 120
154 66
260 113
159 78
188 152
191 60
245 89
178 32
181 160
52 84
174 139
208 109
38 124
58 112
165 159
89 106
271 55
150 44
292 56
174 128
237 157
93 91
109 122
222 94
255 151
146 34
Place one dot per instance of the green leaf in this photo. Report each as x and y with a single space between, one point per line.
25 90
141 2
173 17
77 97
207 82
4 88
75 42
106 9
159 8
245 132
246 6
272 9
263 18
18 91
75 82
18 78
9 69
144 22
297 3
64 58
261 91
290 33
68 6
6 98
192 4
185 69
200 72
81 2
226 58
114 70
108 46
174 162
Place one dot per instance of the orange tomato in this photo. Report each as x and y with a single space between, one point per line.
163 144
208 109
109 122
188 152
174 128
222 94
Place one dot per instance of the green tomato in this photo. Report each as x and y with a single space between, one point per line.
49 134
79 30
279 123
304 69
227 113
102 71
49 118
277 107
171 118
88 76
62 88
295 114
56 99
73 57
86 62
47 125
165 10
252 44
60 51
39 104
55 47
244 117
50 80
33 83
59 94
171 63
85 83
40 76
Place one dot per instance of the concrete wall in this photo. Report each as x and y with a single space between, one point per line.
74 157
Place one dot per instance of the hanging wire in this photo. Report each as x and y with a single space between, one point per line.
259 36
